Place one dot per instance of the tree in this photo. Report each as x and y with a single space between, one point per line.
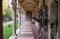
4 7
9 12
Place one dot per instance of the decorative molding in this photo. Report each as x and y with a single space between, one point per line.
31 8
21 1
31 4
36 1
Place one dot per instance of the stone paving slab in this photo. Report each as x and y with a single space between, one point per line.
26 35
26 38
27 31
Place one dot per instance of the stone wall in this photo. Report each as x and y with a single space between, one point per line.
48 3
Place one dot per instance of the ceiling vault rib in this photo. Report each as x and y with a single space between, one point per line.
29 4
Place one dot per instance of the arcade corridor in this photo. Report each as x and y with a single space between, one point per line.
38 19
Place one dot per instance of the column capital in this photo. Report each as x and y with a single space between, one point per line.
14 6
14 3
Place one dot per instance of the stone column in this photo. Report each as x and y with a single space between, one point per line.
14 23
14 18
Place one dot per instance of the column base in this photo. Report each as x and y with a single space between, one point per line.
13 37
17 31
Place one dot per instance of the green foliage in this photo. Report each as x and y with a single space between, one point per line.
4 7
7 31
7 11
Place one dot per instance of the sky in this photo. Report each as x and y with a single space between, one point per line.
8 2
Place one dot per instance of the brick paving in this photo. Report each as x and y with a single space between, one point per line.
28 31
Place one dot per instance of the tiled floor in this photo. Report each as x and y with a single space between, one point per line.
28 31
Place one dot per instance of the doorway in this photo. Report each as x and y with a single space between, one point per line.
29 16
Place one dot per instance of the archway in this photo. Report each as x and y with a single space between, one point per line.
28 16
54 18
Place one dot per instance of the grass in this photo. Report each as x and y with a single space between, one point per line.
7 30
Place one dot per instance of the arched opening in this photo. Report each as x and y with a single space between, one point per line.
28 16
54 18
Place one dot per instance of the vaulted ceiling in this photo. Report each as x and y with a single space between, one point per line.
29 5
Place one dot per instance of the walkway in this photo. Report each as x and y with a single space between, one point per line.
28 31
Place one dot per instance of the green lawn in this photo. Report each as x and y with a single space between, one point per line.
7 31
